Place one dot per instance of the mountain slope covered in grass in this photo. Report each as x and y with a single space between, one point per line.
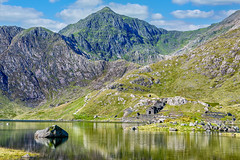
209 74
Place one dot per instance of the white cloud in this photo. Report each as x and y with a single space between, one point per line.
132 10
82 8
53 1
176 25
180 1
223 14
86 3
79 10
16 13
157 16
227 13
207 2
71 15
47 23
192 14
27 17
2 1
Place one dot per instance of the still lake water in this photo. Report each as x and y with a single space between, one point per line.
109 141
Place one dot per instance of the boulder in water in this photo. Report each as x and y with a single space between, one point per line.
51 132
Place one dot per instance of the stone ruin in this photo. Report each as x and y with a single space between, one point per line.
157 106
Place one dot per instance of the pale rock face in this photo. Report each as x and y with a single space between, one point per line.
176 101
37 61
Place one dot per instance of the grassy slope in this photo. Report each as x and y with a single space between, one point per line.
59 105
200 75
9 109
193 76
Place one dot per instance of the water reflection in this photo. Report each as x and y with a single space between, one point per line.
51 142
110 141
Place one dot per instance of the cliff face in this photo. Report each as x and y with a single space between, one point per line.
6 36
39 61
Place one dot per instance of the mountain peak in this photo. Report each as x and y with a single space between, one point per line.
106 9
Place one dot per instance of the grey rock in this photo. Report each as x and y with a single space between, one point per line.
145 69
175 123
157 106
127 112
215 128
173 129
231 130
221 129
204 104
51 132
157 81
27 156
236 128
206 109
176 101
192 124
147 82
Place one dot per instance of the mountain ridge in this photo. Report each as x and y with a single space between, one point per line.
38 61
41 68
113 36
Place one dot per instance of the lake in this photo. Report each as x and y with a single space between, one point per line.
110 141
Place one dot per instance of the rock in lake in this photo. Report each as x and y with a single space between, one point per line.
51 132
173 129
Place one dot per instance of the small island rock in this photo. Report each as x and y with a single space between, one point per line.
51 132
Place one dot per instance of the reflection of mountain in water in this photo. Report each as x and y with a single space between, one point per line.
51 142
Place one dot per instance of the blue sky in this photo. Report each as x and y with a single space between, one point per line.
168 14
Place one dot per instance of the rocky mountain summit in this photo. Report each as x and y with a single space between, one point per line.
107 35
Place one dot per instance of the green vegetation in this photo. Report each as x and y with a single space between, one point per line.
190 76
10 109
209 73
112 36
12 154
186 76
168 125
58 107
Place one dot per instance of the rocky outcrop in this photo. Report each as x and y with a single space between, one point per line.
157 106
38 61
51 132
176 101
113 70
7 33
